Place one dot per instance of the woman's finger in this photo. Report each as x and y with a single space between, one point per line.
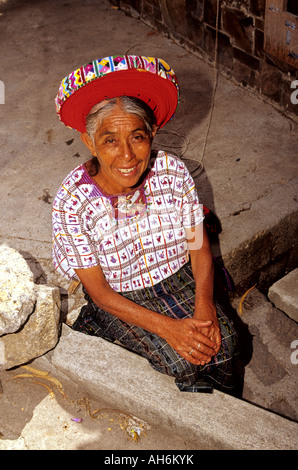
197 358
204 341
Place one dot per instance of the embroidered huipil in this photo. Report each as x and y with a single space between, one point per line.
137 239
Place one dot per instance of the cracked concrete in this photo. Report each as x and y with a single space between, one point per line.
270 375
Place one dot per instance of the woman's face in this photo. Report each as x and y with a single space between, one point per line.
122 147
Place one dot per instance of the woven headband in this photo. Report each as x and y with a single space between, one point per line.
150 79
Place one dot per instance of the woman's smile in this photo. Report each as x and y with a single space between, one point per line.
127 170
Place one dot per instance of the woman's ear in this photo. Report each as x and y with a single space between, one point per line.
86 139
154 130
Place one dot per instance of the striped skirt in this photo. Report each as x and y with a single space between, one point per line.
174 297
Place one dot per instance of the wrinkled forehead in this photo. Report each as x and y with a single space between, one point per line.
120 120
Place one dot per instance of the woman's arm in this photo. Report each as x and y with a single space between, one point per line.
203 272
182 335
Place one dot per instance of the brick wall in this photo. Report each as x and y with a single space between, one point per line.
241 55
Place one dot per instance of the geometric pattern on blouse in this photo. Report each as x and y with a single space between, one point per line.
137 239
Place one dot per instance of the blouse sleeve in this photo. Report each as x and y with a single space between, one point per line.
72 245
192 210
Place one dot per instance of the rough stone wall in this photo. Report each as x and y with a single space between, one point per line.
241 55
29 313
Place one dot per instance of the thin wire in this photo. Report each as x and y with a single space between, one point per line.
182 146
135 45
215 82
215 69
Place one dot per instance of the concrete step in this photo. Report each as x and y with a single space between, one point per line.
267 343
284 294
128 382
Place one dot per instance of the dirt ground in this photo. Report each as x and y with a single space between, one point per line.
37 413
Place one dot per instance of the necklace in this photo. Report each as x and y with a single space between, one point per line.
129 205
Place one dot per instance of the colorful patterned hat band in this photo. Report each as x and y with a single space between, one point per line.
150 79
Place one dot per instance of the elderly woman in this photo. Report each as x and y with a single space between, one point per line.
128 224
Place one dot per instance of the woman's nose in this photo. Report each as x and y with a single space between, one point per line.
126 151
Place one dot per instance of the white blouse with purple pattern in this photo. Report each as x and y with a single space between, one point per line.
138 239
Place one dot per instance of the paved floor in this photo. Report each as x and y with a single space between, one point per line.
250 162
32 419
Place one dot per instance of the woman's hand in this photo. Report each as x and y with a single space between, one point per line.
206 311
191 338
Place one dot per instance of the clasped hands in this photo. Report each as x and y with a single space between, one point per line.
196 339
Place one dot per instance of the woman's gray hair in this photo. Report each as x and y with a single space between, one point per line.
129 104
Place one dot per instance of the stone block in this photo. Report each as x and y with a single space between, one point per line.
38 335
154 3
244 4
257 7
260 24
17 290
209 41
246 59
195 10
284 294
29 313
225 52
243 74
210 10
259 43
240 28
151 14
135 4
195 31
131 8
270 81
174 16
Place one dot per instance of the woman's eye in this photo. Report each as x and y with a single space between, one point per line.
138 138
